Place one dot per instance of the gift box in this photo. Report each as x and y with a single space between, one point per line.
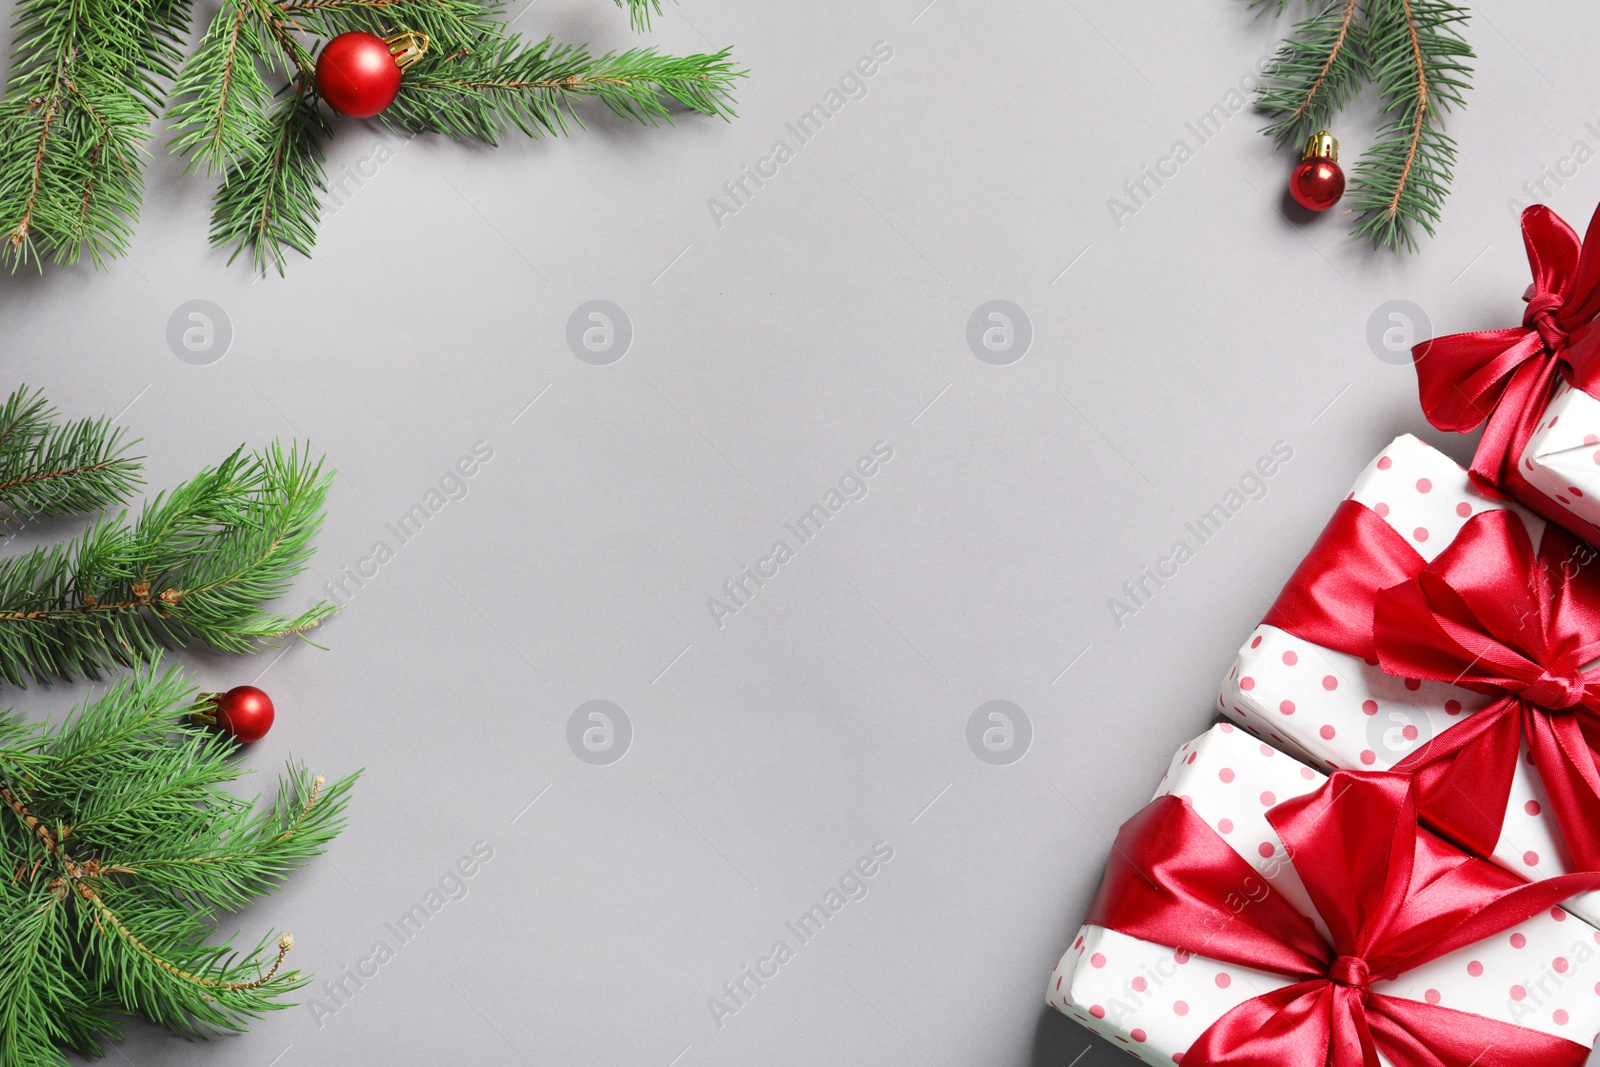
1484 721
1535 385
1208 944
1561 461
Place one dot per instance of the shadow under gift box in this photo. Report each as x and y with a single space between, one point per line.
1336 710
1156 1001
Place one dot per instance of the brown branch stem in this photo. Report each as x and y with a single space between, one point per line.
1333 54
19 232
63 472
570 83
82 876
265 219
1422 111
231 52
142 599
281 29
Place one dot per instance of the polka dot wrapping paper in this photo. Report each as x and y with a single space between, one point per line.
1562 458
1334 710
1155 1001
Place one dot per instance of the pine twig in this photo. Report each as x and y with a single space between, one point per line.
1314 72
103 913
478 82
220 89
533 89
197 565
73 121
1419 62
90 74
640 11
450 24
270 200
49 467
1414 52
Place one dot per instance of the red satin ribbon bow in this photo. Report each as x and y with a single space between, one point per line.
1507 376
1490 615
1390 903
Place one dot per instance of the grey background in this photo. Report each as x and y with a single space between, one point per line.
767 355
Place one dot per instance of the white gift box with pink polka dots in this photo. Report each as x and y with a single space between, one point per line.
1335 710
1155 1001
1562 458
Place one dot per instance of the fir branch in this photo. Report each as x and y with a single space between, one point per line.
196 566
160 52
639 12
1419 61
451 25
73 121
46 999
87 929
165 971
291 52
1315 71
533 89
87 78
270 200
1414 52
255 851
476 83
49 467
221 89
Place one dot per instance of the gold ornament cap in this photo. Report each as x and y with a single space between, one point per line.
407 47
1322 145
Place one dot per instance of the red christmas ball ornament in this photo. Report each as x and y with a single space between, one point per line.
358 73
244 713
1317 182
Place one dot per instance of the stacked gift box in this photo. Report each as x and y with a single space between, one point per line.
1157 999
1396 860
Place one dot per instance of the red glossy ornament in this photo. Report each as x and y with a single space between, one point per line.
1318 182
244 713
358 73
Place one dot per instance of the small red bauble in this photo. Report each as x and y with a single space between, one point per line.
1317 182
244 713
357 75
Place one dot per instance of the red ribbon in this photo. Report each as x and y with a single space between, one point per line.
1329 598
1389 903
1507 376
1490 615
